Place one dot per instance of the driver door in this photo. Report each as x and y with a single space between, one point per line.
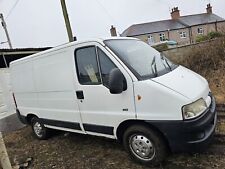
101 111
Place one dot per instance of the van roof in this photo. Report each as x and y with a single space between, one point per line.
99 40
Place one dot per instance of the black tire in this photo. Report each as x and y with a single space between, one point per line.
145 145
43 132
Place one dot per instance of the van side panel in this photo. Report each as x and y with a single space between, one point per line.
24 87
44 86
55 89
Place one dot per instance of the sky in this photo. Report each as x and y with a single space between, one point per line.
40 23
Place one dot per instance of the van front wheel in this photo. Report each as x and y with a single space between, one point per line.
39 130
144 145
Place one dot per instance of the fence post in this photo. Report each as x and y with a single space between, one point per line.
4 158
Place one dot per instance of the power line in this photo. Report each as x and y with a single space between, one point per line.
167 3
105 10
110 16
11 10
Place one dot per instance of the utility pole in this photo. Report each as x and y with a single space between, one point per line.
67 21
6 31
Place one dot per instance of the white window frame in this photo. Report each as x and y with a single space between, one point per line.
200 31
183 35
162 37
151 39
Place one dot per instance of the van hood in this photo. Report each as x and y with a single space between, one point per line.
185 82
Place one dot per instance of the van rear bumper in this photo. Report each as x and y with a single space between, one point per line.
191 135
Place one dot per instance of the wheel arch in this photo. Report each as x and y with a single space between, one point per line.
29 117
126 124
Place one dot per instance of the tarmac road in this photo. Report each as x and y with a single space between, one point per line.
10 123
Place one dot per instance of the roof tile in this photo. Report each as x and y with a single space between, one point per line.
160 26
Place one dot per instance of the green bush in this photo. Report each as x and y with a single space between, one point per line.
161 47
201 38
211 35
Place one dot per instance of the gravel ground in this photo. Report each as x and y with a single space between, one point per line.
75 151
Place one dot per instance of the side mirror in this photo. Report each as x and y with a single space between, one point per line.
117 81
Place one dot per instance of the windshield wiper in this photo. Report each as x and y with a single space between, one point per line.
153 67
165 60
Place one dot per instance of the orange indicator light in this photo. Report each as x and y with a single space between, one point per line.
139 97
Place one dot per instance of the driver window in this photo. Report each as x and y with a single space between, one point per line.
87 66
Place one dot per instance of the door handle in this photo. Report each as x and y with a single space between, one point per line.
80 94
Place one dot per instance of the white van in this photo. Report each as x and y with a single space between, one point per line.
119 88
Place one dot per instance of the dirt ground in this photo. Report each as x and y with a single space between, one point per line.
75 151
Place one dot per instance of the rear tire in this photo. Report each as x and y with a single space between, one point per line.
145 145
39 130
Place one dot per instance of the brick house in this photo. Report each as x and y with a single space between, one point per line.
182 29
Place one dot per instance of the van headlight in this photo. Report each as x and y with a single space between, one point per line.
194 109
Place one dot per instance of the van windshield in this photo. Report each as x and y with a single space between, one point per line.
144 61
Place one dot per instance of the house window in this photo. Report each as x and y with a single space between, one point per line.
162 37
151 40
183 35
200 31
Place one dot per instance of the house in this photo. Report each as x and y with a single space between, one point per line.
181 29
7 106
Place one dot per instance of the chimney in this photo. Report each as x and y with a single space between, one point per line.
175 14
209 9
113 31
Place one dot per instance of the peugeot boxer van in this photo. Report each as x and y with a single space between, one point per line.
119 88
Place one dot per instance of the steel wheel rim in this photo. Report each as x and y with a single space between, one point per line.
38 129
142 147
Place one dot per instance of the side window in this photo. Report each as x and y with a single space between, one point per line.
106 66
87 66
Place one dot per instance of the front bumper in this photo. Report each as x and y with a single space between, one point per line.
191 135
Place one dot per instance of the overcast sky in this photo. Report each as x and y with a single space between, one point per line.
39 23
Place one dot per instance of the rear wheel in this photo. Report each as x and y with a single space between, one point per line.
39 130
145 145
